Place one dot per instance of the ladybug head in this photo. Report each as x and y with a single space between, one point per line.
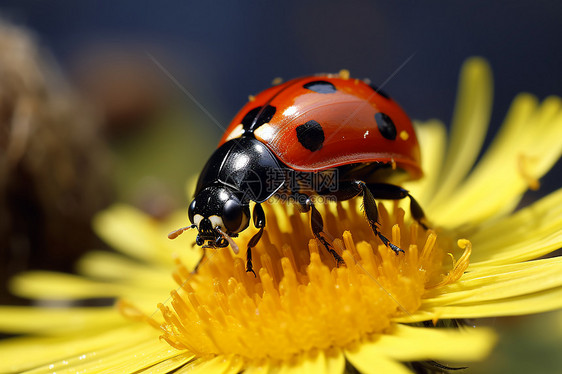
218 214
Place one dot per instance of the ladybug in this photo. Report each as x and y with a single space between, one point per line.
324 135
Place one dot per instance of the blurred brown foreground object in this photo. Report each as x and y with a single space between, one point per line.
53 165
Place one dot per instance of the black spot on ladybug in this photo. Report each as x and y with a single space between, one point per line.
322 87
256 117
379 91
311 135
249 117
386 126
264 117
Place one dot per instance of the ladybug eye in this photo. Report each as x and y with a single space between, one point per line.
191 211
234 216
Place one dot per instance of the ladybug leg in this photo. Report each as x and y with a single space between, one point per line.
372 213
317 225
417 212
392 192
259 222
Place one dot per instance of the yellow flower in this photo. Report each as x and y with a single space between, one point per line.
302 313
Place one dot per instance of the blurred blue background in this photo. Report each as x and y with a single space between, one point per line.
223 51
230 49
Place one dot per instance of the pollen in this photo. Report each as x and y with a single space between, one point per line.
404 135
344 74
301 301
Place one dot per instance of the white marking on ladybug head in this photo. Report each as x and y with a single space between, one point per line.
197 219
216 221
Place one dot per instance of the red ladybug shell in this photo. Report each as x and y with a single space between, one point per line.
320 122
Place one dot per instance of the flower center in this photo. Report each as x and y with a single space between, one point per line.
300 300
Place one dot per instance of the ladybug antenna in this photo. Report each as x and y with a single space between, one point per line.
174 234
233 245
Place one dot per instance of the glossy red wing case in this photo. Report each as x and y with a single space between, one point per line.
320 122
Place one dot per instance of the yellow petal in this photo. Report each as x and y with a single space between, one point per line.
468 129
334 362
137 279
406 343
137 358
517 236
41 285
500 282
319 362
127 360
262 367
37 320
370 361
526 148
128 230
220 364
51 285
21 354
526 221
499 270
134 233
544 301
169 365
524 250
432 137
112 266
